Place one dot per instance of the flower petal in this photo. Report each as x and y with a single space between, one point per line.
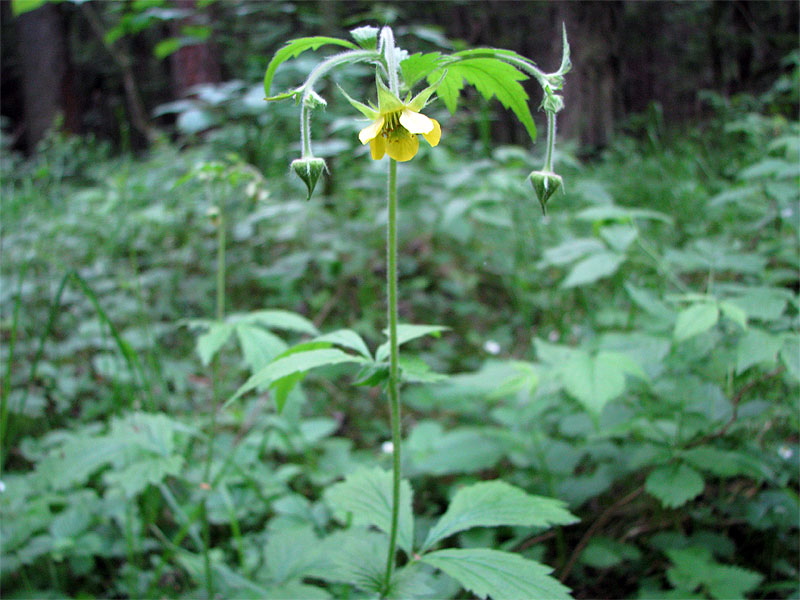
435 134
416 122
377 147
402 147
371 131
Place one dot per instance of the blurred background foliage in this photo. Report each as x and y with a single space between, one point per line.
634 354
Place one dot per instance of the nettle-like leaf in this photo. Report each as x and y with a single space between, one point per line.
694 567
406 333
674 484
696 319
419 65
295 362
367 496
594 380
496 503
491 77
501 575
294 48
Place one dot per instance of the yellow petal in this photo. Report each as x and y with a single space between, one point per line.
371 131
416 122
402 147
435 134
377 147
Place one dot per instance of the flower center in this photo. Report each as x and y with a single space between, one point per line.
391 123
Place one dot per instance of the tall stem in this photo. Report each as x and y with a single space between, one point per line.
220 315
394 393
305 130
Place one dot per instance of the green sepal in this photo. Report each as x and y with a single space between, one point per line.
545 184
295 93
309 170
360 106
366 36
420 100
387 101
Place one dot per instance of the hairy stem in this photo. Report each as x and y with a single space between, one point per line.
219 315
394 394
305 131
551 141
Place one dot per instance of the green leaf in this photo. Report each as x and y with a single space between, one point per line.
293 364
419 65
433 451
406 333
755 347
619 214
694 566
259 346
367 495
491 77
595 380
592 268
134 478
501 575
734 313
168 46
291 552
790 354
356 556
296 47
19 7
603 553
695 320
278 319
211 341
347 338
674 484
496 503
723 463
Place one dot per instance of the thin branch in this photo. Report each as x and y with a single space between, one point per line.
601 520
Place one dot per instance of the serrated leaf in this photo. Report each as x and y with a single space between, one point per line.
695 320
595 380
212 340
356 556
419 65
259 346
491 77
674 484
134 478
406 333
755 347
294 48
496 503
291 552
603 553
592 268
620 214
501 575
367 495
294 364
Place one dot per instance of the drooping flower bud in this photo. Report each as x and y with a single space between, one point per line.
309 170
546 184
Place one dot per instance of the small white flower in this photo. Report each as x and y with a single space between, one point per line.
387 447
787 212
492 347
251 189
553 336
2 487
785 452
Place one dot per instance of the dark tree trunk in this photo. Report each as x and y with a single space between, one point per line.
194 64
45 73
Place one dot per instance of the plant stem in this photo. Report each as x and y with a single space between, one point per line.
551 141
220 315
305 130
394 393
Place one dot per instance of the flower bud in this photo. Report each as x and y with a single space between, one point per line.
309 170
546 184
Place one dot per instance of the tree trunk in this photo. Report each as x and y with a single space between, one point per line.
44 62
194 64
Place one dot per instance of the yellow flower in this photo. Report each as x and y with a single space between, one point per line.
396 124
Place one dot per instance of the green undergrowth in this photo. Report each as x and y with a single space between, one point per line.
634 355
